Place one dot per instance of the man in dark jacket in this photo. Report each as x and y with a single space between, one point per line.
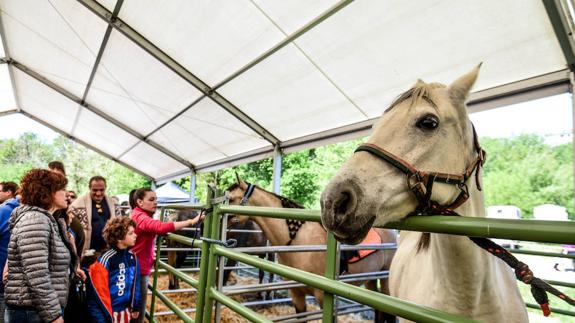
7 191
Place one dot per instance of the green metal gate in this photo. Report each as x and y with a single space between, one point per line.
208 294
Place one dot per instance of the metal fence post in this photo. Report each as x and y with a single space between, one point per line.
200 303
211 270
156 264
330 272
221 264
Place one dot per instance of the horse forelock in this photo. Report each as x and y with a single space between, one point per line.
417 94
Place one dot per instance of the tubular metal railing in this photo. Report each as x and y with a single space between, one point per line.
208 294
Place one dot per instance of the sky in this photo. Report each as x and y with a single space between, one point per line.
549 116
16 124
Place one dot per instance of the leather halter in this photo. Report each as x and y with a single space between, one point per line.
293 225
247 194
421 182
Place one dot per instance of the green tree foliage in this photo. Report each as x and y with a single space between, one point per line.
17 156
304 173
522 171
526 172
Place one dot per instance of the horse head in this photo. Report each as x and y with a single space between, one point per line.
426 128
239 193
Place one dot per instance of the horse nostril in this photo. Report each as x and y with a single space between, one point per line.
341 205
344 205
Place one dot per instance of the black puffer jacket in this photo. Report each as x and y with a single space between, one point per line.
38 263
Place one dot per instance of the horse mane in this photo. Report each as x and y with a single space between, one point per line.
419 92
286 203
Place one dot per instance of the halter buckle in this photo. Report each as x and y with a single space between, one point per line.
416 184
463 187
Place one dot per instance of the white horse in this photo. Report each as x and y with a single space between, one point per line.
428 129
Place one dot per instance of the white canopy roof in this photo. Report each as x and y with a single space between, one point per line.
166 87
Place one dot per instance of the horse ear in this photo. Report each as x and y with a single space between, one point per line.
240 181
419 83
460 88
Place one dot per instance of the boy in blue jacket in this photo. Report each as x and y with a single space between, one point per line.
114 289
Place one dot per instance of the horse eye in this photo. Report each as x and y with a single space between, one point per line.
428 122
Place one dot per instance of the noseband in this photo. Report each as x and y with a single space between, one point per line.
421 182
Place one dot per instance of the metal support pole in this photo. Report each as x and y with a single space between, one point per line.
192 187
204 260
277 175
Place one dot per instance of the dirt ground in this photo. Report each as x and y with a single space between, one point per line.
188 300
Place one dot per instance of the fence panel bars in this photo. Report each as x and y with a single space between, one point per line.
373 299
330 272
541 231
156 264
221 264
213 229
210 217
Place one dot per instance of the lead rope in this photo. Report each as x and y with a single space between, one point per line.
539 288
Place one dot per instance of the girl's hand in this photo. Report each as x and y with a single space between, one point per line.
196 219
80 273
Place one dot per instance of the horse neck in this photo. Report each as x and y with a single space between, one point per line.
275 230
458 262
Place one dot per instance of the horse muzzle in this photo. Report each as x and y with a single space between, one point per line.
339 211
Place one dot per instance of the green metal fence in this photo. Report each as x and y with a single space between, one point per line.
208 294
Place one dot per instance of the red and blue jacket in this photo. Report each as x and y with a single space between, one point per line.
114 286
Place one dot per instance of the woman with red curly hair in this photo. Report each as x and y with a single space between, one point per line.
39 254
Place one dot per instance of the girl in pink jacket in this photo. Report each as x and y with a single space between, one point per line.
145 203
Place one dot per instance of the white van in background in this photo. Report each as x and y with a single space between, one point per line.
504 212
550 212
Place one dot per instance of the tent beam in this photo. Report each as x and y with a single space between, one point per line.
93 109
560 18
9 112
169 62
295 35
524 90
97 61
193 179
83 143
277 174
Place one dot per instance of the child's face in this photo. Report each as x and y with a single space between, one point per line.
130 238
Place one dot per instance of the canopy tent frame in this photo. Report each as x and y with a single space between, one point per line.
519 91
